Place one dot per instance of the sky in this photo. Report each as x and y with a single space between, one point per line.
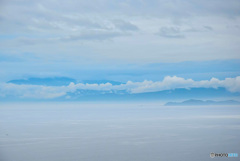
127 41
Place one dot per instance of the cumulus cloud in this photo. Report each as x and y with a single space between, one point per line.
168 83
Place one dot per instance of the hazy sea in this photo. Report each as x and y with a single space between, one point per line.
117 132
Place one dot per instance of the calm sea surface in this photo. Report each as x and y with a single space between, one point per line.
117 132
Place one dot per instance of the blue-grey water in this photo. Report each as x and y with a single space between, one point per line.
117 132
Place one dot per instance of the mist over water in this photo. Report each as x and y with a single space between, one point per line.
117 132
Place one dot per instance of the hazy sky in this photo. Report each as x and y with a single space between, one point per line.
130 31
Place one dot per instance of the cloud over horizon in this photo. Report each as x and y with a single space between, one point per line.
168 83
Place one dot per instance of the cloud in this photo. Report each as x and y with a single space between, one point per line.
168 83
31 91
93 35
88 35
208 28
50 28
124 25
198 29
170 32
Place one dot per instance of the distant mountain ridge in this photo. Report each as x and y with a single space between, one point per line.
101 82
51 81
59 81
166 95
201 102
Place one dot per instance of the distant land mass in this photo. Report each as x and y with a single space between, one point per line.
54 81
101 82
201 102
59 81
165 95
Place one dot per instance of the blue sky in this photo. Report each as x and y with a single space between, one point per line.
127 40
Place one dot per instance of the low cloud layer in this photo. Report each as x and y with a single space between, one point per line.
168 83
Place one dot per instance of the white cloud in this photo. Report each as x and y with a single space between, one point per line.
168 83
31 91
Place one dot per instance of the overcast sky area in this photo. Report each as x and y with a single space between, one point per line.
121 40
129 31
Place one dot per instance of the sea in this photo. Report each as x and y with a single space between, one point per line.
117 131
